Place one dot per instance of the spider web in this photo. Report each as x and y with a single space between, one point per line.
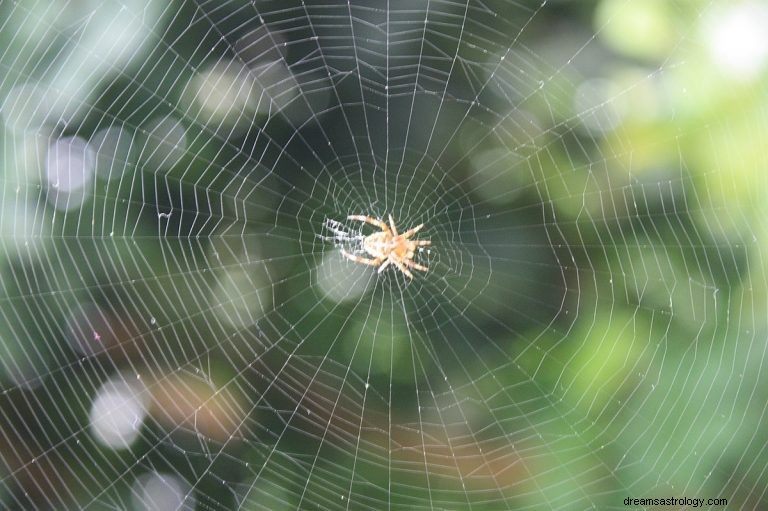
179 329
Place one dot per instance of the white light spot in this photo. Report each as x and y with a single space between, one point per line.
242 296
226 97
117 412
738 40
343 280
157 491
69 172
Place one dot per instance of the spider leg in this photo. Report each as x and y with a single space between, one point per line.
392 224
411 232
384 265
421 243
357 259
378 223
417 266
403 269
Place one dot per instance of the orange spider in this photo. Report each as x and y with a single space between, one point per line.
388 247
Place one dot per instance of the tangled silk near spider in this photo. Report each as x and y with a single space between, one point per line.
388 247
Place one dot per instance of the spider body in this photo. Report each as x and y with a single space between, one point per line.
388 247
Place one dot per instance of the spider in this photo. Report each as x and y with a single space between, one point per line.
388 247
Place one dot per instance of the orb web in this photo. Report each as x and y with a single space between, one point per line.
179 329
